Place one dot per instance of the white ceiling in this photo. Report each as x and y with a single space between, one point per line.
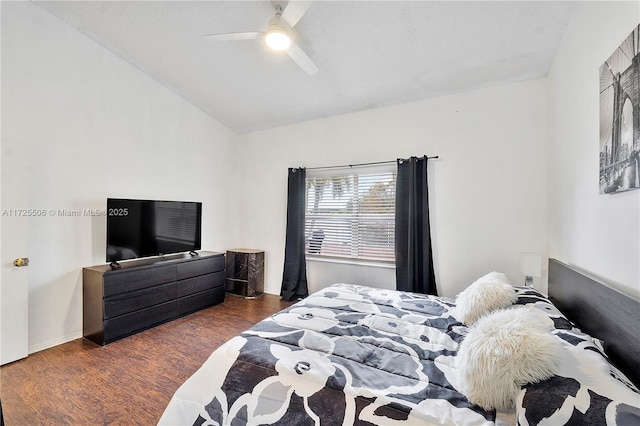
368 53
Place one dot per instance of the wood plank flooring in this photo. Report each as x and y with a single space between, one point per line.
128 382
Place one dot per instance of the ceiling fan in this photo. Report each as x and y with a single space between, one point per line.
279 34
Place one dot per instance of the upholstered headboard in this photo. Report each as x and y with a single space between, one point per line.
601 311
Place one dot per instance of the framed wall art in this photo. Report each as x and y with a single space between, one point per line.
620 117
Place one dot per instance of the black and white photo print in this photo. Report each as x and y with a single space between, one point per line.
620 117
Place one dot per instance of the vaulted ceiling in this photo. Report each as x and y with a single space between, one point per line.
369 53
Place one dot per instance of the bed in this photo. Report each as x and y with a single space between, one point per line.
351 354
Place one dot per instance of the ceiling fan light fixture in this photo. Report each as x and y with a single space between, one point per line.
277 38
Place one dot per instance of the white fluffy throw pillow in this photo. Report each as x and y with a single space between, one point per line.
503 351
490 292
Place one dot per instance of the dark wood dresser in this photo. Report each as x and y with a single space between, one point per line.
144 293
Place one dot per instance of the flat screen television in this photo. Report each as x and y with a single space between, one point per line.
143 228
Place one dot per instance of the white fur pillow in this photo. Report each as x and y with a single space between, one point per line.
503 351
490 292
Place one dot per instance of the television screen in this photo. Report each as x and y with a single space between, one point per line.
142 228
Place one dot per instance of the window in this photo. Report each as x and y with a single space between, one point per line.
350 213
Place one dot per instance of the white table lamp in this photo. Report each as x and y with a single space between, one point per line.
530 266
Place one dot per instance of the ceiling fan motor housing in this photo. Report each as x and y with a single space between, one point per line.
278 34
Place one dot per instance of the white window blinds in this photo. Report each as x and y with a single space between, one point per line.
350 213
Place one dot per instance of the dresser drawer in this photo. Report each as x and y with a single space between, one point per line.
128 302
116 282
127 324
202 266
200 283
198 301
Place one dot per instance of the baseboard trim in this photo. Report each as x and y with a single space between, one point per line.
54 342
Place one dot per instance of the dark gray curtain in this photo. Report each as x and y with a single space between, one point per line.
414 258
294 277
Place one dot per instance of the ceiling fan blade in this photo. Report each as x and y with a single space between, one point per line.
233 36
294 11
301 58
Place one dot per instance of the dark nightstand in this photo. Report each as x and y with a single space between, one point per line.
245 272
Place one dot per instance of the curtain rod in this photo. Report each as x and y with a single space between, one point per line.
363 164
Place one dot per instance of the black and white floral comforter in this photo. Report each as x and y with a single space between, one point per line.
345 355
354 355
587 389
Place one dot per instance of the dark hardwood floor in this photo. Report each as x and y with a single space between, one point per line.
128 382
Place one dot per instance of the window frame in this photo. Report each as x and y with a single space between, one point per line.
355 241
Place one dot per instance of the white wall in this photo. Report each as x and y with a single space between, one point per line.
95 127
487 191
598 233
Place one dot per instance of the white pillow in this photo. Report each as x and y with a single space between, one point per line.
488 293
503 351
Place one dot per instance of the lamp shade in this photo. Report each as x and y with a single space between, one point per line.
531 264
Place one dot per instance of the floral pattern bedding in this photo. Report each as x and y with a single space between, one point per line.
345 355
358 355
587 390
